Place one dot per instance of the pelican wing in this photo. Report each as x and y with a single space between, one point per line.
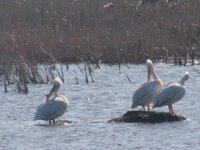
169 95
51 109
145 92
172 82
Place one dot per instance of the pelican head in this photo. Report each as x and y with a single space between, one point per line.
150 69
184 78
55 89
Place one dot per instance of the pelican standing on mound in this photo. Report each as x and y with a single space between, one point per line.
53 107
171 94
147 91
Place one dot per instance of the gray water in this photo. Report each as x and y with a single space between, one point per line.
92 105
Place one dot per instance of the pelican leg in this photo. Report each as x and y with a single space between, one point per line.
172 109
50 122
149 108
54 122
169 109
143 107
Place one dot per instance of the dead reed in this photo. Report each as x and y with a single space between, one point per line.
16 72
50 32
112 31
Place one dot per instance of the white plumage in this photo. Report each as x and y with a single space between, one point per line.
54 107
147 91
56 88
171 94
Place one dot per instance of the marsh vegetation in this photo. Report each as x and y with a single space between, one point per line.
93 31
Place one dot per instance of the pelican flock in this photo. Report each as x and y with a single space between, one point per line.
147 91
151 91
171 94
53 107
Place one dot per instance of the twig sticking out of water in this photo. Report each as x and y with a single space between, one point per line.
90 72
67 66
5 85
21 87
119 66
49 73
76 80
94 58
80 68
86 76
128 78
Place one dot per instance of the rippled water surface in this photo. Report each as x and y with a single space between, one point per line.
92 105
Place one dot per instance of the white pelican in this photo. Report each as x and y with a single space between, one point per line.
171 94
147 91
54 107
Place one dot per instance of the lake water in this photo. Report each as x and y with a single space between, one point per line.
92 105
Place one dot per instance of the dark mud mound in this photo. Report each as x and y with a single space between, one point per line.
148 117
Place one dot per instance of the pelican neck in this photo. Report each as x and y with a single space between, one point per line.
153 74
182 81
56 94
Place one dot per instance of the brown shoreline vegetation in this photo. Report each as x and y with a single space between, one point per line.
122 30
114 31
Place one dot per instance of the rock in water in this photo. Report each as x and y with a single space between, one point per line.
148 117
